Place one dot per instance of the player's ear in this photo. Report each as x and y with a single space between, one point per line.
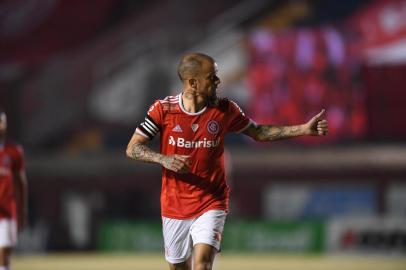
192 83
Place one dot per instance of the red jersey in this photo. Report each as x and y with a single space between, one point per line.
201 136
11 162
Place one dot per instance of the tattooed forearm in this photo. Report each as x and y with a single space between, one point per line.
271 133
139 151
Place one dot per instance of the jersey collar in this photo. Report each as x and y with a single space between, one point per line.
184 110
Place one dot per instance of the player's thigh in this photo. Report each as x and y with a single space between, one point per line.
8 239
177 240
8 233
208 228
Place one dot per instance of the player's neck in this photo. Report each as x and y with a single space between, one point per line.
193 103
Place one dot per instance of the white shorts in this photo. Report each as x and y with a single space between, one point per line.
181 235
8 233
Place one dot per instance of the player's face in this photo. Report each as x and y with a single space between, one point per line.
208 82
3 123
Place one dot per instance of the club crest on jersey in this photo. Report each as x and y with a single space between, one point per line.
213 127
177 128
195 127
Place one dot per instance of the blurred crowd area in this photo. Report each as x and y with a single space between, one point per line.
76 78
294 73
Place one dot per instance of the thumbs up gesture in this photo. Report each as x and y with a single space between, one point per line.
317 126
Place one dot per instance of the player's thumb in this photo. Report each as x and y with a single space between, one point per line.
319 115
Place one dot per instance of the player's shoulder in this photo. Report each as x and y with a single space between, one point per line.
13 147
169 103
12 144
169 99
226 104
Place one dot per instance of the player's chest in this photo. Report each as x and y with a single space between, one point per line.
5 163
189 127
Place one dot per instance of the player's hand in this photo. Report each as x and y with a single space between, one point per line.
176 163
317 126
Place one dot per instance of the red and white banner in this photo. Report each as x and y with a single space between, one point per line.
382 31
381 23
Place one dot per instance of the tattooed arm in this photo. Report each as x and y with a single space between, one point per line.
271 133
138 150
317 126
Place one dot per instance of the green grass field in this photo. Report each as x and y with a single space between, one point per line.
223 262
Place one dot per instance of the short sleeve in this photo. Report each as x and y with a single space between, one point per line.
18 159
238 120
153 121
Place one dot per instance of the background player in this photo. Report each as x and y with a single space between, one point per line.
194 195
13 194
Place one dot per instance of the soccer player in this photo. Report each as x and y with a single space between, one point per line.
192 126
13 194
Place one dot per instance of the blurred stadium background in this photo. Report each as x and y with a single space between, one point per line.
76 77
